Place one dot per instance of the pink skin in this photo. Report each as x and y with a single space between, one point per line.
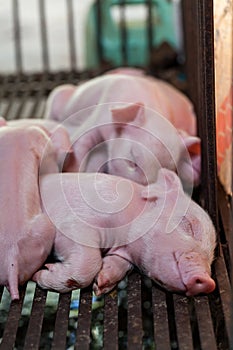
125 101
27 234
57 133
158 228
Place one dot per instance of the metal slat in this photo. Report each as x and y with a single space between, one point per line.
11 326
184 334
161 330
134 334
147 312
44 38
17 37
123 33
111 321
70 20
99 29
205 324
199 41
84 321
33 335
149 4
61 323
224 289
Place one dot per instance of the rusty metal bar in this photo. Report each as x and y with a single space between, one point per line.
84 321
184 334
123 33
99 29
204 323
110 320
44 39
199 41
150 38
161 330
17 37
61 324
33 335
134 308
11 327
70 19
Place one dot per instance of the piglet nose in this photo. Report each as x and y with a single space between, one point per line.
202 283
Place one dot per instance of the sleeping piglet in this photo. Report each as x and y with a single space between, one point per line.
129 125
26 233
157 227
56 132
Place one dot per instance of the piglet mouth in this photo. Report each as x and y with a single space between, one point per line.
180 288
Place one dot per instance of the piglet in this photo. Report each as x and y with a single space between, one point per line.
56 132
157 227
26 233
129 125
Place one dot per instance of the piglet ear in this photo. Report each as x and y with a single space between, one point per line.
3 121
134 112
57 101
167 181
61 140
190 169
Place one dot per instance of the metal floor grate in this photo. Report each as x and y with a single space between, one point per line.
138 314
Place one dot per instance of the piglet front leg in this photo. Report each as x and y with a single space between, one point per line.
76 270
113 270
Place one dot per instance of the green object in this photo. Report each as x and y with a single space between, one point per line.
135 48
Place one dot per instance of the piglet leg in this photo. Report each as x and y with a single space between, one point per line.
78 271
113 271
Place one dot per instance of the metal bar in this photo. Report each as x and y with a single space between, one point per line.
161 331
199 39
182 320
205 324
207 127
122 313
224 289
124 34
149 4
61 323
44 39
171 321
226 220
32 339
135 332
84 321
17 37
70 18
11 326
111 321
99 31
147 312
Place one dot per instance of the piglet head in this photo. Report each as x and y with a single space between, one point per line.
142 142
185 239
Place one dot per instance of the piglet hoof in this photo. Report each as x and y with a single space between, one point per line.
102 285
200 284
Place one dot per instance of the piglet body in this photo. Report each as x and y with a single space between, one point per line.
143 122
158 228
26 233
54 130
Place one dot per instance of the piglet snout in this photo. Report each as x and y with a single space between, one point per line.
200 283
